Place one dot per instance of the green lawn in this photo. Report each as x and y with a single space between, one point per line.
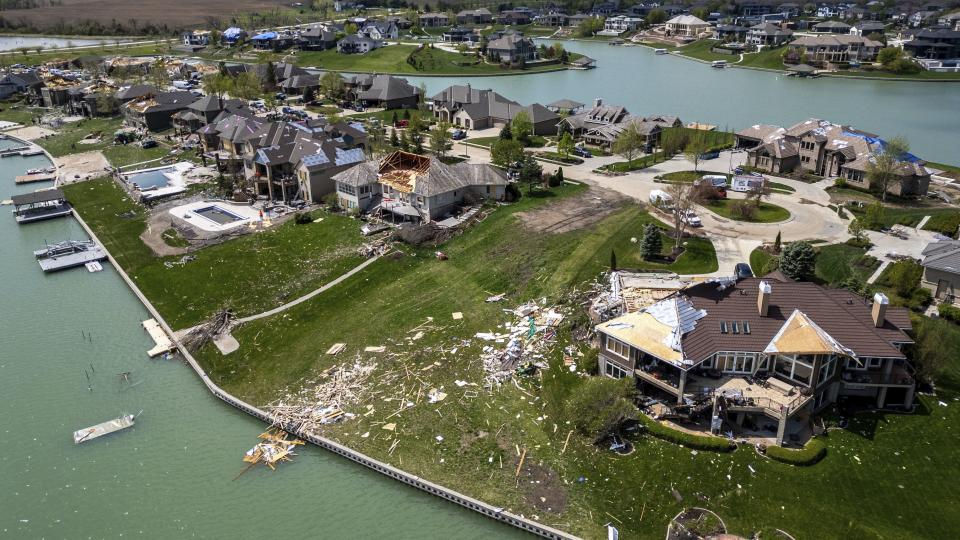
765 213
838 262
393 59
701 51
921 76
66 141
634 165
121 155
249 274
47 55
768 59
758 261
536 141
943 220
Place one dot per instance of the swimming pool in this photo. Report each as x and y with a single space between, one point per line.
151 179
218 215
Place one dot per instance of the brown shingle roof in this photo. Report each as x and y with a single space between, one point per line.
850 323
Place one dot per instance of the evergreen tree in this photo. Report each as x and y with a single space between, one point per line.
396 118
271 80
505 132
652 244
613 260
404 141
798 261
394 139
777 244
406 114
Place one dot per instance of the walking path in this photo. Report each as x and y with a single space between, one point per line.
311 294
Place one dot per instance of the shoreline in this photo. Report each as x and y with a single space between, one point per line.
483 508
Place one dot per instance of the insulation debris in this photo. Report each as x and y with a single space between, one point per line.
322 401
527 337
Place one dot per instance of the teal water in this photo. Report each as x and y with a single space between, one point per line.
926 113
173 475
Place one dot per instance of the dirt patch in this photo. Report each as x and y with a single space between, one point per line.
573 213
542 488
173 13
82 166
31 133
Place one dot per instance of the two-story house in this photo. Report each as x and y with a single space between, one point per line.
765 353
415 188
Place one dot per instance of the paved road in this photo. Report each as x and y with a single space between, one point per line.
810 217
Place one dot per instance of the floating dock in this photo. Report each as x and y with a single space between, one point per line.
160 338
69 254
40 205
105 428
29 178
10 152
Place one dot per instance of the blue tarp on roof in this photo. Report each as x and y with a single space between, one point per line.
907 156
266 36
232 33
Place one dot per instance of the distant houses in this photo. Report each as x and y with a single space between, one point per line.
471 108
385 91
601 124
829 150
357 45
511 48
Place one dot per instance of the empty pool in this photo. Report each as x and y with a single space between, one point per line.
218 215
151 179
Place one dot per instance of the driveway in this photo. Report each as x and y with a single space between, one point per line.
810 217
887 248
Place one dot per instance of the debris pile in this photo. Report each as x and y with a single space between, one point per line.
322 402
532 330
375 248
275 447
206 332
608 302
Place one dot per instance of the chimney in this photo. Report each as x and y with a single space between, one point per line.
469 91
597 102
880 302
763 299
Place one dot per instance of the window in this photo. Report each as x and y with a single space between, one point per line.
346 188
614 371
795 368
723 327
874 363
618 347
735 362
827 369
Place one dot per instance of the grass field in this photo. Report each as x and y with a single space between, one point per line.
765 213
944 220
393 59
767 59
701 51
885 476
248 274
536 141
838 262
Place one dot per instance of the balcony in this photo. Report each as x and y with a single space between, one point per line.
773 397
661 378
898 376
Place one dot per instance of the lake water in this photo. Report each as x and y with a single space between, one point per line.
173 475
10 43
927 113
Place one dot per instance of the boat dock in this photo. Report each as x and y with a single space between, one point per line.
105 428
10 152
29 178
160 338
40 205
69 254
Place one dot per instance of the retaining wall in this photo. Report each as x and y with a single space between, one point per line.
383 468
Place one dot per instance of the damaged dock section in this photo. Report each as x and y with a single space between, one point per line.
163 343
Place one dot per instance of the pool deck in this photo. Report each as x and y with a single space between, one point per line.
186 213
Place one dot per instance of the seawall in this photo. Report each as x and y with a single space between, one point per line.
498 514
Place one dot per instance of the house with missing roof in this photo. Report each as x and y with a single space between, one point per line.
154 112
416 188
471 108
941 269
830 150
761 356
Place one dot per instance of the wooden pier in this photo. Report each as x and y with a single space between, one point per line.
29 178
104 428
160 338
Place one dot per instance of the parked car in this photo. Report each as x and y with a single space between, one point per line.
710 155
582 152
280 96
358 108
459 134
691 218
742 270
148 143
402 123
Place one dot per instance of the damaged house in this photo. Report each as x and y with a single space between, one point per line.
384 91
285 161
417 188
763 355
154 112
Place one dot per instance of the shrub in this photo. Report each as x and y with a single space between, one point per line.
332 201
697 442
840 182
812 453
744 210
905 277
302 218
949 313
512 193
919 299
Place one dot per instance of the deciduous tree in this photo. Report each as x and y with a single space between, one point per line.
522 127
505 152
884 163
685 197
630 142
440 139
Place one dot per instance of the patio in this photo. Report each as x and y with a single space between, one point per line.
773 397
